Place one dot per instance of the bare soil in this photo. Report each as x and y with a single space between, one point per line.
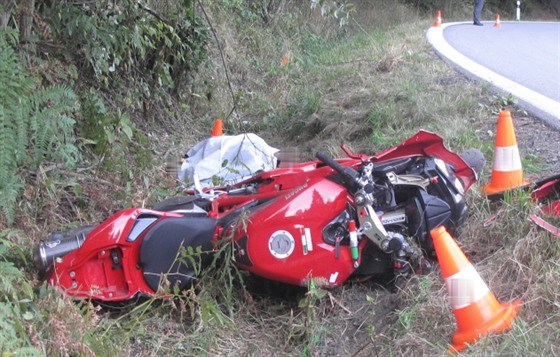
540 141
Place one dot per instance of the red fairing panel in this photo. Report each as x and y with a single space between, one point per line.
426 143
105 267
285 237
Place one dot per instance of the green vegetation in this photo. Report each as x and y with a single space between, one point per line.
99 102
35 122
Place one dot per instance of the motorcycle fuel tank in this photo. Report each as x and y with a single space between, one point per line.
284 241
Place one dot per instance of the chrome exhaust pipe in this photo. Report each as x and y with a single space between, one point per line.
58 246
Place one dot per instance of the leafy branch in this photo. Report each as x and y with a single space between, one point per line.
340 10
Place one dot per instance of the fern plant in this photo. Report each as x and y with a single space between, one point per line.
15 299
34 124
51 127
15 90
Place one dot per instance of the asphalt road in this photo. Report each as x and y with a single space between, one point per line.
518 58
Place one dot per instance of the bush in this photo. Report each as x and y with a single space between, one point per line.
114 39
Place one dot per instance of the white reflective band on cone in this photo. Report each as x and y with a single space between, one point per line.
507 159
465 287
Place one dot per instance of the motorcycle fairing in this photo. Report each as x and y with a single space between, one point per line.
285 237
105 267
430 144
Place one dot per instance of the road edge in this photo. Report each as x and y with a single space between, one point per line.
537 104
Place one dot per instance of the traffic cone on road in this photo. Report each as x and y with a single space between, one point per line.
507 172
218 128
475 307
497 23
437 23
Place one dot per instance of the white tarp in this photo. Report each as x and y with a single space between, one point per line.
227 159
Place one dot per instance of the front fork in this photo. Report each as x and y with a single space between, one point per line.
370 224
390 243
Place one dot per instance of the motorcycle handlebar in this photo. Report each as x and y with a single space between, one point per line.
346 171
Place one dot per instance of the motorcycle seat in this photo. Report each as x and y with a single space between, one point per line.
161 256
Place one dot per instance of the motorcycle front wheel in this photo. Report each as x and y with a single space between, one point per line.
475 159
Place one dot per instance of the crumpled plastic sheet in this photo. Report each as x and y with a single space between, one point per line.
224 160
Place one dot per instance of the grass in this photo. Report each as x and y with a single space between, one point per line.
370 85
516 260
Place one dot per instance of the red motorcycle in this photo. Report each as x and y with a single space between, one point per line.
327 220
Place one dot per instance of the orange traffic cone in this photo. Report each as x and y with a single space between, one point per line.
475 307
507 172
218 128
285 60
437 23
497 23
